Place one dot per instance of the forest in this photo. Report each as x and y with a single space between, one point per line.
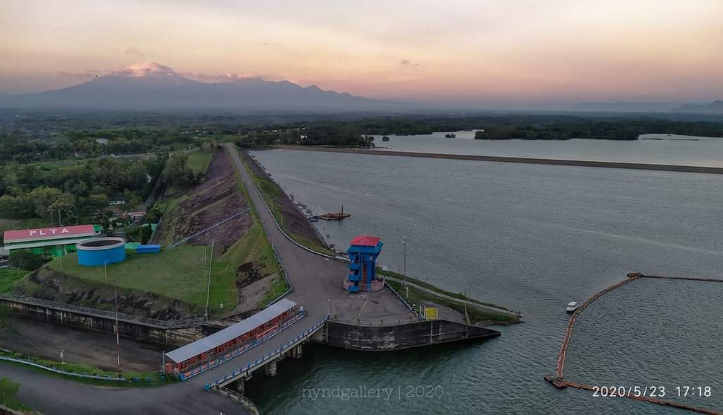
79 191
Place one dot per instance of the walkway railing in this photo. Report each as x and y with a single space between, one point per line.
62 372
246 370
127 318
246 402
223 357
278 225
376 323
412 309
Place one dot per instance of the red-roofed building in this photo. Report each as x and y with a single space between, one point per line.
55 241
363 254
365 240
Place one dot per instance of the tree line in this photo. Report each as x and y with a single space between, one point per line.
80 191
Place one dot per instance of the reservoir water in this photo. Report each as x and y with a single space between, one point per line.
650 148
529 237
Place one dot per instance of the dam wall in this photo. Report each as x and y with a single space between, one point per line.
102 322
525 160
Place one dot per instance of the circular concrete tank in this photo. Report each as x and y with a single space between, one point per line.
99 251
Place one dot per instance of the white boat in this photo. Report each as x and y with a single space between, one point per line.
572 306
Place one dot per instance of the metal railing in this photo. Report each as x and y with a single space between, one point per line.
62 372
278 225
376 323
419 316
246 402
127 318
219 358
242 371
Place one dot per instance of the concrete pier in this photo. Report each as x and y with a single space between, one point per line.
270 369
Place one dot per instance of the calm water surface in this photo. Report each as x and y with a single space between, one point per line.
528 237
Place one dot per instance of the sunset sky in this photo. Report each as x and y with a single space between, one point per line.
504 53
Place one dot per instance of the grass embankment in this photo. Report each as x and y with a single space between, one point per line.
429 286
9 391
198 161
8 278
271 191
261 247
476 314
177 273
252 247
132 379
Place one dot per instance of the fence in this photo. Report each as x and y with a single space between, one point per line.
246 402
93 312
62 372
419 316
278 225
244 371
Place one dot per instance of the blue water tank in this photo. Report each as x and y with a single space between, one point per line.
99 251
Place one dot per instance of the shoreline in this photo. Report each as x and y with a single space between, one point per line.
505 159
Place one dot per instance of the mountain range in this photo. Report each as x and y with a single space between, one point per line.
716 107
158 87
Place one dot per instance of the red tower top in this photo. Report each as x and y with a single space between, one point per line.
365 240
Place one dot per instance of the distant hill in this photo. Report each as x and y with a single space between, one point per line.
157 87
625 106
715 107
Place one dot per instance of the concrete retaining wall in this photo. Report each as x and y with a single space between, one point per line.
103 324
402 336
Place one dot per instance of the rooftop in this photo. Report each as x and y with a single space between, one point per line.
365 240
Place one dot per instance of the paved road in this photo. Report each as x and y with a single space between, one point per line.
315 280
51 395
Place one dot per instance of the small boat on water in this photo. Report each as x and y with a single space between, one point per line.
334 215
571 307
385 138
450 135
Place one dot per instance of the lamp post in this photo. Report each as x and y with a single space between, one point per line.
115 300
404 242
330 307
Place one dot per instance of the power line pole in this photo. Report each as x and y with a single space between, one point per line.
208 289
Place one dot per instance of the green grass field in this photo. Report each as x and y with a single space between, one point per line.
133 379
198 161
8 278
176 273
436 289
8 392
475 314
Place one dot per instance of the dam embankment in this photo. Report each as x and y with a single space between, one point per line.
504 159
